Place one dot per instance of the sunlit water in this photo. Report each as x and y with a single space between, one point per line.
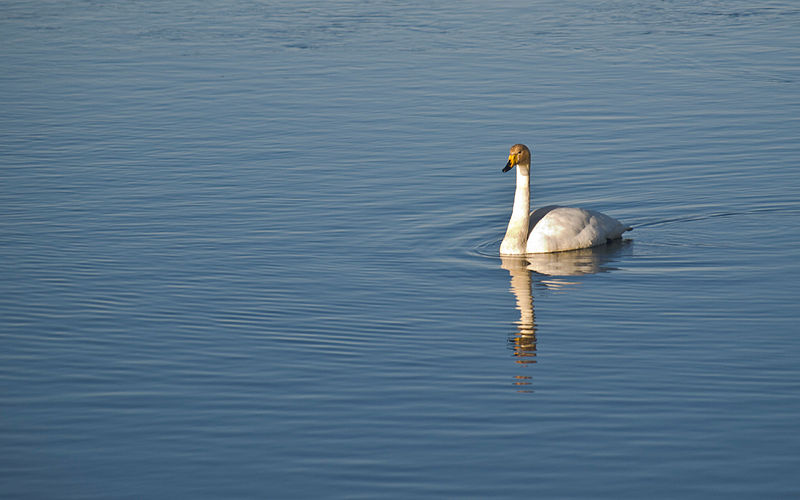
249 250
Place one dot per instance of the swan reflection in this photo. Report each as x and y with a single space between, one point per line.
577 262
552 266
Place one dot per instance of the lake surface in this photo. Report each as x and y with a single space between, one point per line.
250 250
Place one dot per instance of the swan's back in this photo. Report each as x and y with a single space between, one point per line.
556 229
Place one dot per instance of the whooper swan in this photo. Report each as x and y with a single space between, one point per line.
552 228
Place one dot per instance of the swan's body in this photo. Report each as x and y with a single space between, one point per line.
552 228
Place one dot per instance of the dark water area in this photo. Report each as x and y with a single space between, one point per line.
250 250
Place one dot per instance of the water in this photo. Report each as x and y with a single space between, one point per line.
249 250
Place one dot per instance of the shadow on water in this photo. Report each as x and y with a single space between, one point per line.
547 269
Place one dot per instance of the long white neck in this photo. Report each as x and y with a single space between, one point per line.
517 232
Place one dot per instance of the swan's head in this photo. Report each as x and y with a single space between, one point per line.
519 155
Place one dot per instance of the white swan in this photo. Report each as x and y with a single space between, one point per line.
552 228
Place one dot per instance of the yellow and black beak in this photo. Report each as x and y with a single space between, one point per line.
512 160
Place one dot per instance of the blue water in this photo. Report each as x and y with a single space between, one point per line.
250 250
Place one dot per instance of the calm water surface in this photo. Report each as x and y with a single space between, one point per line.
249 250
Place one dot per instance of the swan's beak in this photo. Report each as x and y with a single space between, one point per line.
510 164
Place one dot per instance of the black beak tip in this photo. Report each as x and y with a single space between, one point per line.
508 167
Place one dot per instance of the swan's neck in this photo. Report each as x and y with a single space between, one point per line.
517 232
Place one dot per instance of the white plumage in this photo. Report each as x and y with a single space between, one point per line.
552 228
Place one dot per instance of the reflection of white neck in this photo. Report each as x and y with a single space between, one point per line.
517 232
521 288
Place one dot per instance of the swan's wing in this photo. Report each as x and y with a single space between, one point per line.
565 228
540 213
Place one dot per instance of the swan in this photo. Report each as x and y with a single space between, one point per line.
551 228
